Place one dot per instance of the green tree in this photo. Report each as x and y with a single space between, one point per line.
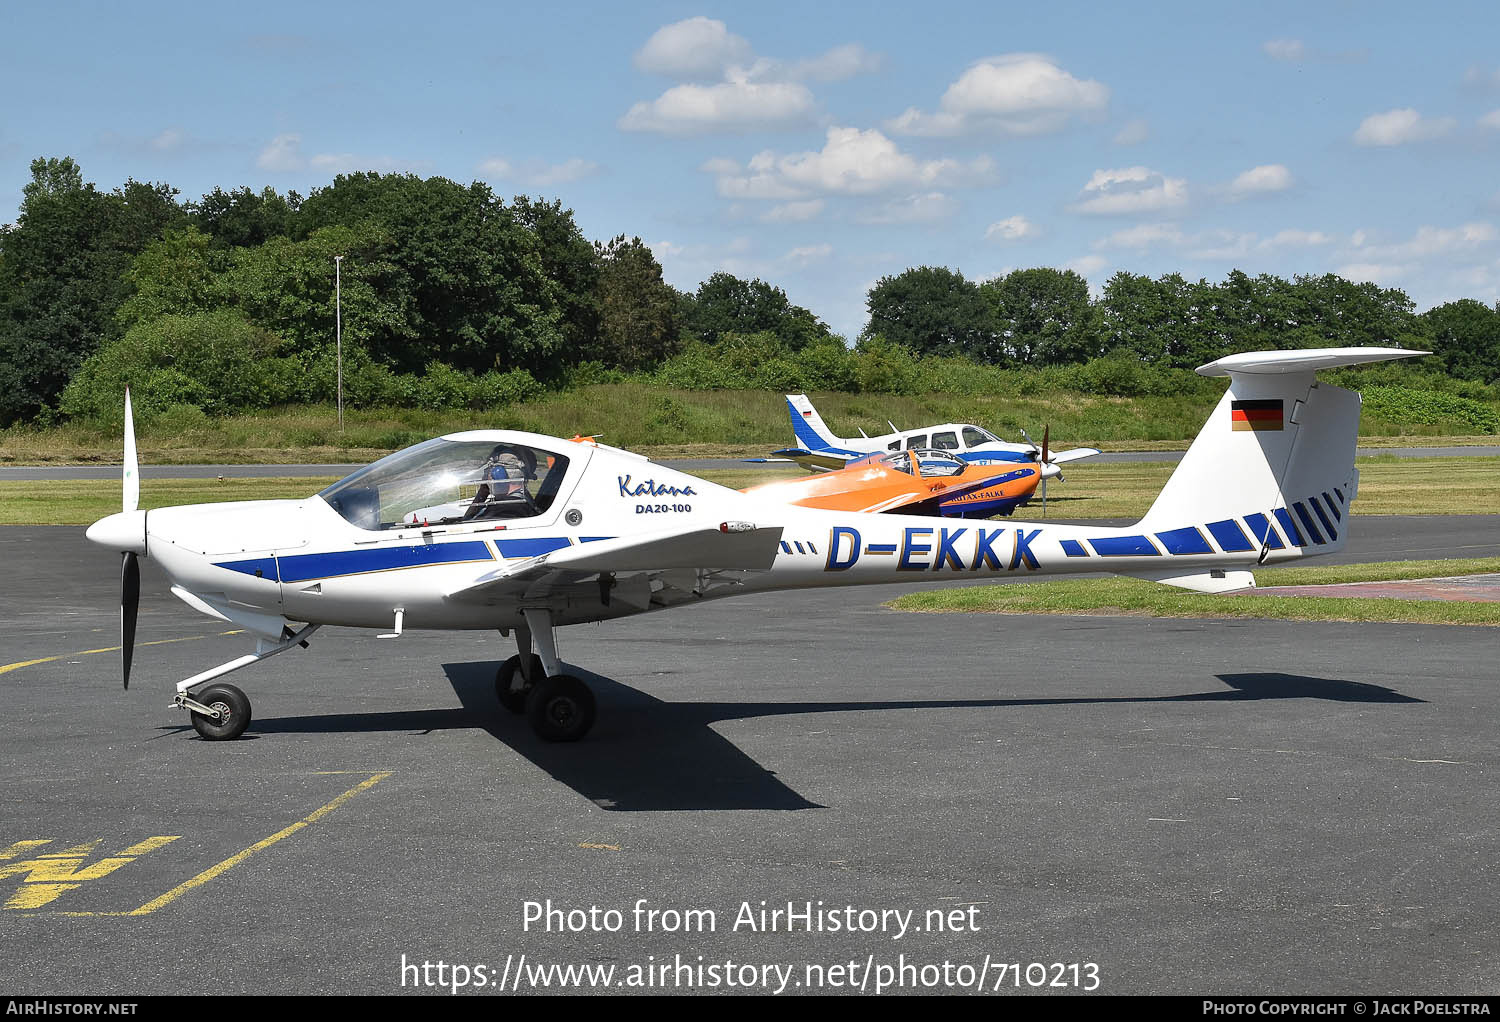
1466 336
1135 316
1330 310
726 304
571 263
61 276
241 218
482 297
638 323
1042 316
175 275
287 287
216 361
931 310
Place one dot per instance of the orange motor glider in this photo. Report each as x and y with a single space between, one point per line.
912 482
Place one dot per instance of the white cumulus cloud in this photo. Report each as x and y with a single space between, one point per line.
1491 120
696 48
1131 190
727 106
1017 93
726 87
1400 127
1272 177
1012 228
851 162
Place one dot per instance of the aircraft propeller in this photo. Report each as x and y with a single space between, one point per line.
1040 454
130 568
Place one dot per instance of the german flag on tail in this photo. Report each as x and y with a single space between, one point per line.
1257 415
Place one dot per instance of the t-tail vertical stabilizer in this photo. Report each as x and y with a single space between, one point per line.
1271 474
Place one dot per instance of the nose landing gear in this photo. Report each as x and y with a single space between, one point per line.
227 716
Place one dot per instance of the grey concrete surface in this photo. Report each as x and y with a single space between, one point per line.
1196 806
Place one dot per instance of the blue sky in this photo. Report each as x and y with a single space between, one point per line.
820 146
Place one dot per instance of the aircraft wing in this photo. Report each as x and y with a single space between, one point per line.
817 461
702 549
1077 453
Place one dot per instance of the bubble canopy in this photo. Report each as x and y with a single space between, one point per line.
446 481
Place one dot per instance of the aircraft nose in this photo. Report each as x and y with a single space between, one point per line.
1050 471
124 531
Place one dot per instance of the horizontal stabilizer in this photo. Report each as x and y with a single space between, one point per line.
1301 361
1202 582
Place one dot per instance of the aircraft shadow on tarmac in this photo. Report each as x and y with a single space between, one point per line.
650 755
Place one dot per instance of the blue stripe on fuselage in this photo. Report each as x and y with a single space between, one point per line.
305 567
260 567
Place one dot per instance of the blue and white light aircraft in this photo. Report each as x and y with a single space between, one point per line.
820 451
498 529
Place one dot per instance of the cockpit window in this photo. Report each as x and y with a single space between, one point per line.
945 441
974 436
940 463
444 482
900 462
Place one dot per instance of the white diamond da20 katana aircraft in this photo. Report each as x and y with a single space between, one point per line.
498 529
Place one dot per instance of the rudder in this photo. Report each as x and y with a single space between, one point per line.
1271 474
812 433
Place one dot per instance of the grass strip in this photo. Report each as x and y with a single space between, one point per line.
1139 598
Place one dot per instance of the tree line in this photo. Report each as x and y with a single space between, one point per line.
449 290
1048 317
436 277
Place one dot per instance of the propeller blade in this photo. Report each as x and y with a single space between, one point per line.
130 602
1046 435
132 476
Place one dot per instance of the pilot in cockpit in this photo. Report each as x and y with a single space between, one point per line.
503 494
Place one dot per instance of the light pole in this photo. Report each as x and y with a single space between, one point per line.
338 320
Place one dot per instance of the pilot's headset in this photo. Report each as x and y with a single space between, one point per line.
508 468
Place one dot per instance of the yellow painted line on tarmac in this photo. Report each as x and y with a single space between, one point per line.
107 649
598 848
239 857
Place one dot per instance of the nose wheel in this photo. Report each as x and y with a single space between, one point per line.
229 713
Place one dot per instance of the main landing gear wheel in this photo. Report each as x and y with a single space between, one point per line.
510 685
234 713
560 708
